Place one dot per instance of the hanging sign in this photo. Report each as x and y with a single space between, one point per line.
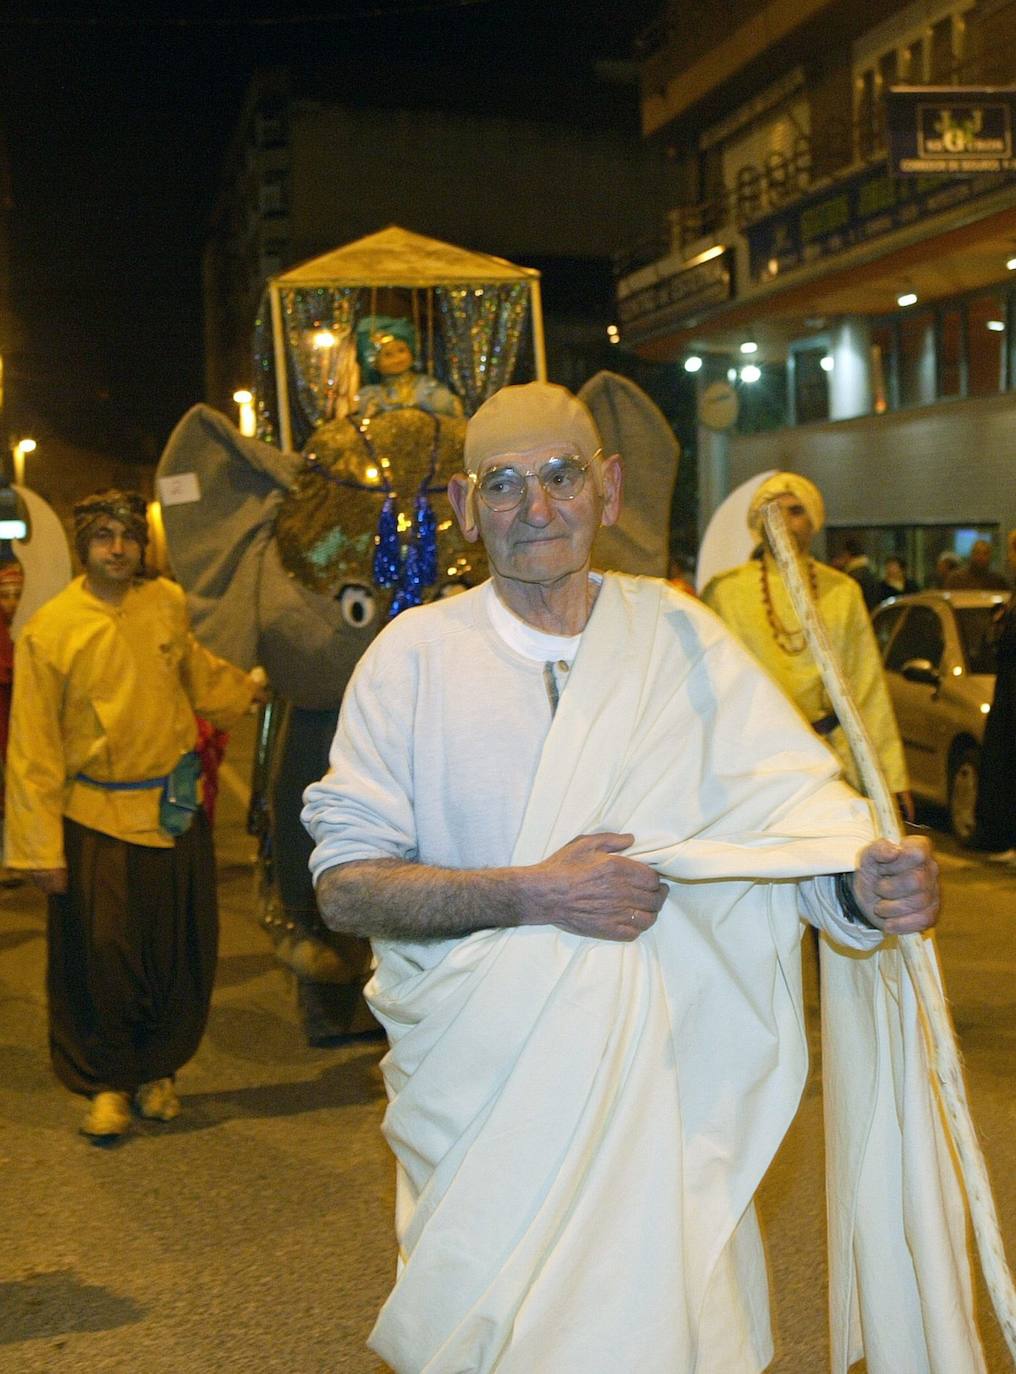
867 205
959 130
679 294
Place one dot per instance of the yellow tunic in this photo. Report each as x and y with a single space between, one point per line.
736 597
109 691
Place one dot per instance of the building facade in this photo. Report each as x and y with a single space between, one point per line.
865 320
305 175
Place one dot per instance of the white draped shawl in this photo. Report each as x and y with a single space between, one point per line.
580 1125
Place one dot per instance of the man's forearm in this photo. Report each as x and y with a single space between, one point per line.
388 899
586 887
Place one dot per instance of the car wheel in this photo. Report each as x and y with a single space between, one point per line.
963 795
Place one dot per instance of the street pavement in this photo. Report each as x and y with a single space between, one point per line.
254 1233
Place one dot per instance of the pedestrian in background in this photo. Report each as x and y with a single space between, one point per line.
945 564
104 814
755 604
896 581
978 574
995 813
856 564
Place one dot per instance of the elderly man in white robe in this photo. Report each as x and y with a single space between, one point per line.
582 830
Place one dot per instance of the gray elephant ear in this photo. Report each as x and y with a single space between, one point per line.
219 493
309 644
631 424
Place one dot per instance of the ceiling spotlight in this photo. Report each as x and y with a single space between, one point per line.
731 374
613 334
749 346
997 326
1011 264
751 373
693 363
907 298
826 362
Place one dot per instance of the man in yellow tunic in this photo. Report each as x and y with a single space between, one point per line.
755 604
104 814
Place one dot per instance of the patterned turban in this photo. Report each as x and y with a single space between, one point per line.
375 330
129 507
787 484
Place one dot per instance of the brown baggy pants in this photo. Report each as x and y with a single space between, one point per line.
132 952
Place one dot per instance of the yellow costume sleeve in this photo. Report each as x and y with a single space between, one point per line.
36 775
862 664
218 690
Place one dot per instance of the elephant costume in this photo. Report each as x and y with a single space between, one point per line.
295 561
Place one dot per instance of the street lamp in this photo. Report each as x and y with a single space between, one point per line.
22 447
248 421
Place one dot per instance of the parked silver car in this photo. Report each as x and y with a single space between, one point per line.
940 666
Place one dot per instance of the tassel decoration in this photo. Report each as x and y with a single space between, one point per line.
425 538
387 562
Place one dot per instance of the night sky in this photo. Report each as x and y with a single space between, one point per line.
116 127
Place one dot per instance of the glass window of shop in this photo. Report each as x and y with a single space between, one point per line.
808 376
763 401
961 348
884 390
986 344
916 362
951 352
918 545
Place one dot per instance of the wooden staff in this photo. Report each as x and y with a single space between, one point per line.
916 951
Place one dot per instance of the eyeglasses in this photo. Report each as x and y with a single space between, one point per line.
502 489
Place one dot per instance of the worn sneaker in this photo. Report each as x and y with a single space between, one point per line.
109 1114
157 1100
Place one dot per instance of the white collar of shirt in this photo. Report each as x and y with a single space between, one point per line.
526 639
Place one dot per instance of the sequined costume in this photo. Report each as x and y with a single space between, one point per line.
406 390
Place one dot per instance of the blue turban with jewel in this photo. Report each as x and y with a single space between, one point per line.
372 332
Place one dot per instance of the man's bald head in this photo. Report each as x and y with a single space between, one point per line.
518 419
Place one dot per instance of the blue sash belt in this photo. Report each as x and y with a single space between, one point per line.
179 798
123 786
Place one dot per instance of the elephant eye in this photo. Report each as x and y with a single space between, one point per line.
358 605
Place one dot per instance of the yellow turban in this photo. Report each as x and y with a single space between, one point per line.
787 484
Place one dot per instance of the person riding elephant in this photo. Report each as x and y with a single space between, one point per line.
387 349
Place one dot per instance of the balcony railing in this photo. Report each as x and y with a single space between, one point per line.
762 190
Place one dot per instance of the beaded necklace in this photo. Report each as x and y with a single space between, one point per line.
790 641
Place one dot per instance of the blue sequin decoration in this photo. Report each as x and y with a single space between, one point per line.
386 553
410 592
425 538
